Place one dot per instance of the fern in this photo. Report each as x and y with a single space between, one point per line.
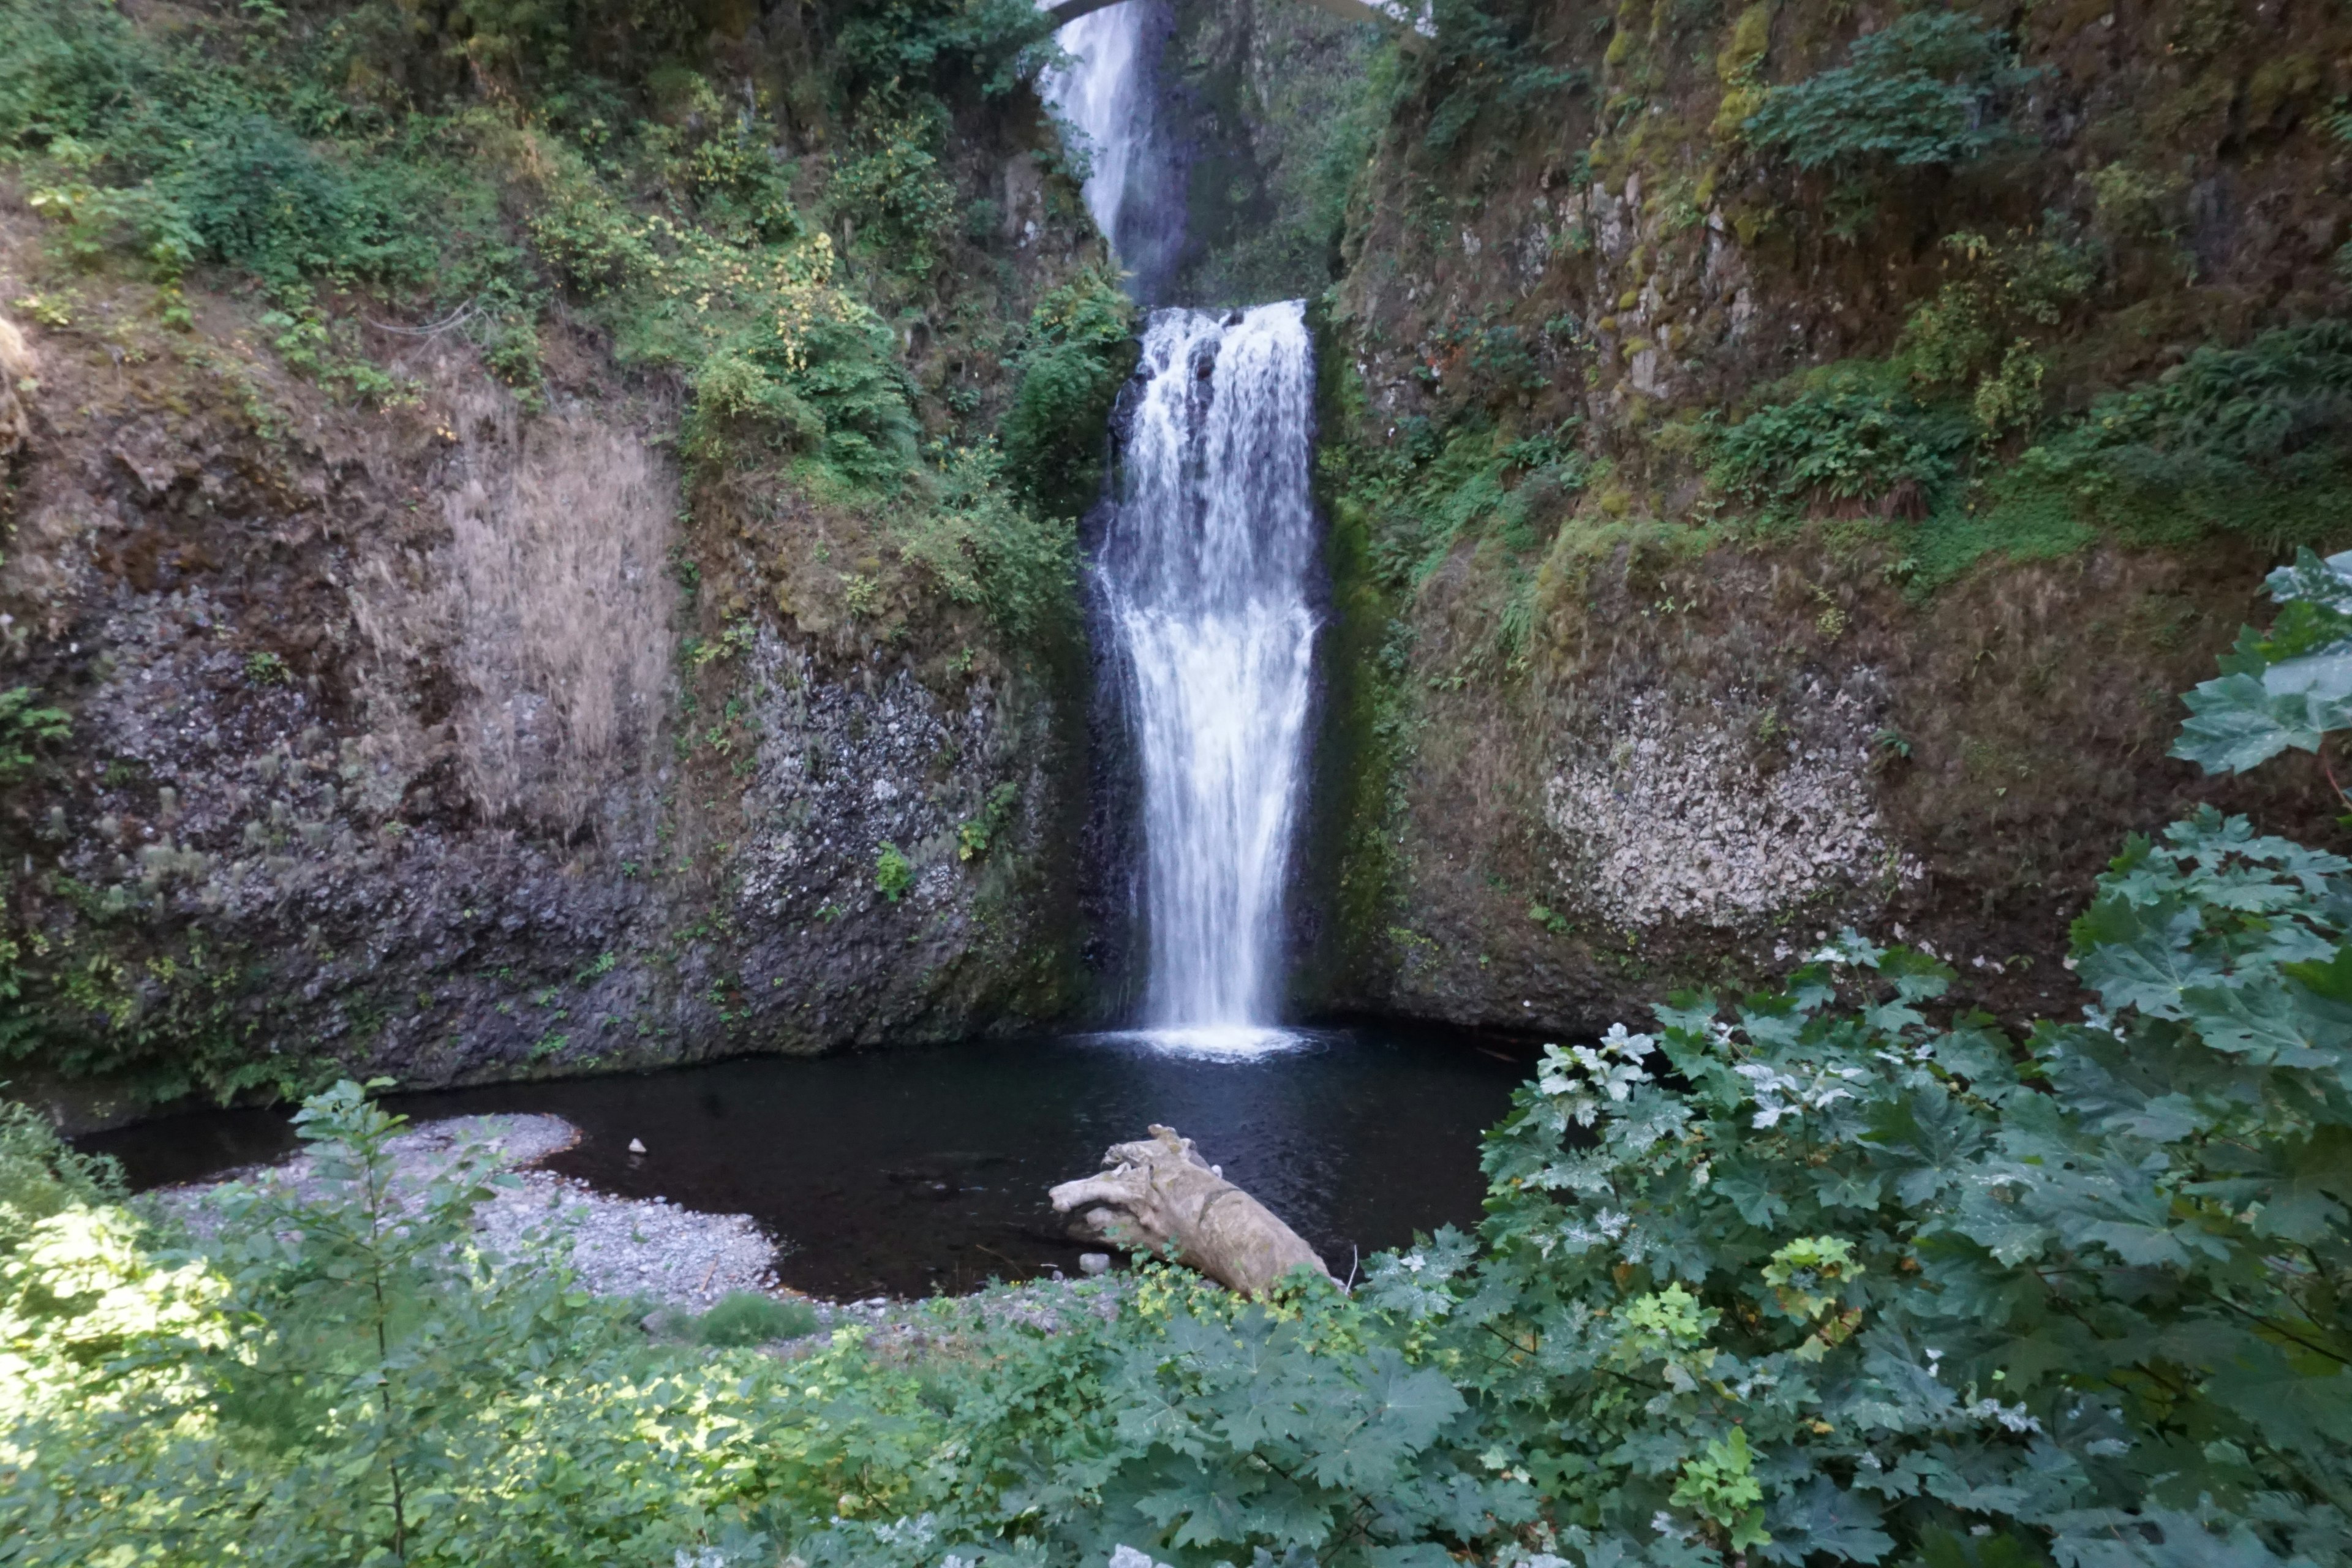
1927 89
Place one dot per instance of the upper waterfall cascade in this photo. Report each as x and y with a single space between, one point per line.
1107 101
1205 570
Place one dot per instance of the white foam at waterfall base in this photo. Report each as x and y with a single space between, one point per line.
1234 1043
1205 567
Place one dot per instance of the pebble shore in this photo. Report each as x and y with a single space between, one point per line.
647 1247
646 1250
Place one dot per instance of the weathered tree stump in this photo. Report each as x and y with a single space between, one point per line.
1159 1191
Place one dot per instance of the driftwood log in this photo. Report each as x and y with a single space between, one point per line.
1158 1191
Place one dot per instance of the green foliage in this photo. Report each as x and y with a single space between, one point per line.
902 50
979 546
2287 687
893 872
1079 347
1926 89
748 1318
1434 486
974 837
168 154
897 198
1855 1256
1852 432
1484 61
41 1175
2255 439
24 724
2008 290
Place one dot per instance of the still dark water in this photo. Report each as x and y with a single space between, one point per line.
920 1169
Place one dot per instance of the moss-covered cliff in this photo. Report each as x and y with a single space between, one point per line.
1784 459
504 515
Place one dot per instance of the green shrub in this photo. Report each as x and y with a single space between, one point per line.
1853 1245
1079 347
1482 60
893 872
748 1318
896 50
2227 434
1850 434
978 544
26 725
1928 89
41 1175
903 208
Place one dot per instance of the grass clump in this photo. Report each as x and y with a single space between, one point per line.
748 1318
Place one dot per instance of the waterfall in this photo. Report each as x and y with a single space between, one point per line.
1136 175
1098 96
1206 560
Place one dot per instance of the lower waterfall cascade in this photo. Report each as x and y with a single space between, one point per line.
1205 570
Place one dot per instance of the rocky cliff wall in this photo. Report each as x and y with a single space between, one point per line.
468 727
1732 547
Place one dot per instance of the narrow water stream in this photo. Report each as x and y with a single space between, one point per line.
920 1169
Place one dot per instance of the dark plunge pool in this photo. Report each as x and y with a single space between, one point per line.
922 1169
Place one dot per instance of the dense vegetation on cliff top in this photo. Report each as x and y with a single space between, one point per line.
1825 1273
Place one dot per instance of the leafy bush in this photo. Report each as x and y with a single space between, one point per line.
979 546
1849 434
1079 347
1926 89
2008 290
893 872
1482 61
2287 687
1867 1287
897 198
2248 437
748 1318
24 725
40 1176
901 48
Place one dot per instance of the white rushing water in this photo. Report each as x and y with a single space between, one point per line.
1098 94
1105 100
1205 567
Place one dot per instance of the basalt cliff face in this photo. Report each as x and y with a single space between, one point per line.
1758 510
396 709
